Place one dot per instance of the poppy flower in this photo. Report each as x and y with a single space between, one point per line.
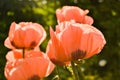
75 41
34 66
77 14
25 35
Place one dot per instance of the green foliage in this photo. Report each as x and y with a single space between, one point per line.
106 18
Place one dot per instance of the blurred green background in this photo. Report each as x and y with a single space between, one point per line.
106 14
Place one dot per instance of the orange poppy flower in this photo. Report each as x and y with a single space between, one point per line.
34 66
25 35
68 13
75 41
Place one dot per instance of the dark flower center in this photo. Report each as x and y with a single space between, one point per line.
34 77
78 54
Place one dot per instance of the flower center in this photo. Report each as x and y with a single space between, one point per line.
34 77
78 54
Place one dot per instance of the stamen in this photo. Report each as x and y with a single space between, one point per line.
78 54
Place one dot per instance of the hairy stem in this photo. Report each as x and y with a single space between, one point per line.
75 71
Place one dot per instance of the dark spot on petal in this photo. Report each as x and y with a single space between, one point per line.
33 44
57 62
12 43
34 77
78 54
16 46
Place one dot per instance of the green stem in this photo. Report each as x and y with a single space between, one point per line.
23 52
75 71
81 74
58 72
